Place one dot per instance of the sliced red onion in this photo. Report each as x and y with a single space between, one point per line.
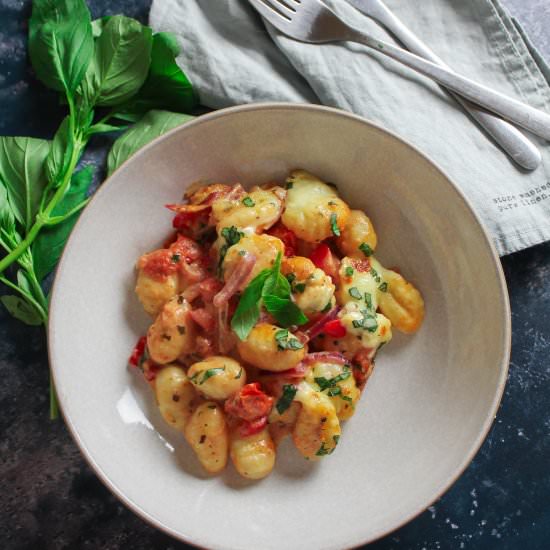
317 327
225 337
328 356
236 280
192 292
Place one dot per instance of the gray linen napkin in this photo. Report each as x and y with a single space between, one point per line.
233 58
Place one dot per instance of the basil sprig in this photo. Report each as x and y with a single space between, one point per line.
273 289
110 70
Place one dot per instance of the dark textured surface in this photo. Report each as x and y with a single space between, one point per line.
49 498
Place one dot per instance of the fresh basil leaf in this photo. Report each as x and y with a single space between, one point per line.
284 402
8 233
152 125
166 86
60 153
276 284
60 42
248 311
284 310
98 24
120 62
22 173
49 244
23 282
103 128
21 310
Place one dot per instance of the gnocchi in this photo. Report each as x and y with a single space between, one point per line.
269 307
313 210
172 333
175 396
217 377
206 432
253 456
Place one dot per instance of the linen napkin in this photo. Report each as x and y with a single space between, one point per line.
233 57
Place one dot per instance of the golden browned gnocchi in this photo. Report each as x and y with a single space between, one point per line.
154 293
312 288
259 209
217 377
271 348
172 333
357 236
263 248
206 432
175 396
253 456
269 309
317 429
402 303
313 210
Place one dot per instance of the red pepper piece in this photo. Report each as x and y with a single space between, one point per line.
138 352
335 328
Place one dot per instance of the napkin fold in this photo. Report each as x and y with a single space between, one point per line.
233 57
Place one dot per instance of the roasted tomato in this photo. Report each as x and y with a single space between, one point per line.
286 235
251 403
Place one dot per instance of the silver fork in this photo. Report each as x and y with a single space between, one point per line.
312 21
518 147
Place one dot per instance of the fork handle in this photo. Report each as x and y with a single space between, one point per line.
524 115
512 141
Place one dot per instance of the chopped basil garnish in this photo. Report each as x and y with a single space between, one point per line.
383 287
368 321
349 271
334 225
232 236
240 374
328 307
330 383
366 249
291 277
374 274
289 184
368 299
175 258
209 373
355 293
284 402
336 438
286 341
247 201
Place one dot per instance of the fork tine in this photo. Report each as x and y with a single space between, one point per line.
284 5
270 12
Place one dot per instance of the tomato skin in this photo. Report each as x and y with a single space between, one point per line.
250 403
324 259
138 351
335 328
247 429
286 235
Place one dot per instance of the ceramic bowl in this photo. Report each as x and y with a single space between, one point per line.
426 409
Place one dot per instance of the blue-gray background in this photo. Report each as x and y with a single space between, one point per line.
49 497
